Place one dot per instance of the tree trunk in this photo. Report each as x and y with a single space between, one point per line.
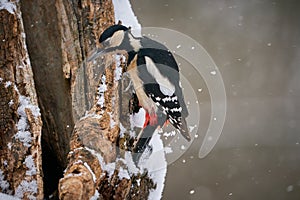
60 36
20 122
94 169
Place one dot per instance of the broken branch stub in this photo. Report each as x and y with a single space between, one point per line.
93 142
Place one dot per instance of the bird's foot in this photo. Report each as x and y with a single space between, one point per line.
151 108
152 119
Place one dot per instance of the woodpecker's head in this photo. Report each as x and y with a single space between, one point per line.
118 37
113 36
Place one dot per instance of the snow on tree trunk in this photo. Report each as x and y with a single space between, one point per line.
60 35
98 164
20 119
94 135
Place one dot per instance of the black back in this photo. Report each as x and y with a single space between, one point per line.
167 65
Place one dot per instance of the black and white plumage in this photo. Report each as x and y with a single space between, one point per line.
155 76
160 75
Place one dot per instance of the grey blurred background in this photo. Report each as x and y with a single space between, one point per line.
256 46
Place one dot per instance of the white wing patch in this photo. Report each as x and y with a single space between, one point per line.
166 87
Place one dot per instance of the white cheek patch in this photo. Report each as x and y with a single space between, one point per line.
117 38
166 87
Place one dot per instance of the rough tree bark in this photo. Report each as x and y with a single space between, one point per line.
20 120
53 89
93 168
95 139
60 36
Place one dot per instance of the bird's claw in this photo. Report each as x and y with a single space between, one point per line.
153 119
150 107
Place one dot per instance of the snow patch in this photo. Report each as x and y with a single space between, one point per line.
101 89
7 84
4 185
96 196
156 166
9 6
119 70
7 197
9 145
138 181
132 133
123 173
91 171
23 133
29 162
24 137
73 175
95 116
124 12
25 103
27 187
10 103
138 119
122 130
109 168
112 121
168 150
130 164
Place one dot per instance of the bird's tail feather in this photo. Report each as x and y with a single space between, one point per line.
184 130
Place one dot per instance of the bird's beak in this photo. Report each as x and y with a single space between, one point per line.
99 52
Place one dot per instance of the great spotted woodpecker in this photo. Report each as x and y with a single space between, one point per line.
155 76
